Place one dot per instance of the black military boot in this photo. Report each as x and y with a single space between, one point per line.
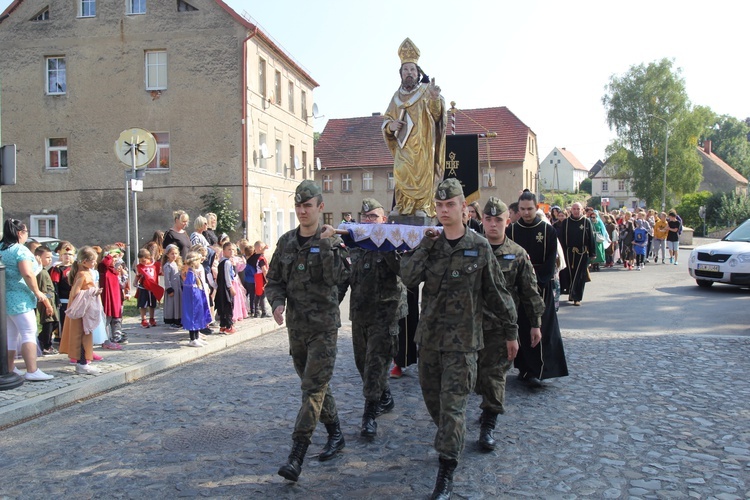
444 483
486 425
369 426
335 441
386 403
293 467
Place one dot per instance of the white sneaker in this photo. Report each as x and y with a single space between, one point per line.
87 369
18 372
37 376
195 343
203 342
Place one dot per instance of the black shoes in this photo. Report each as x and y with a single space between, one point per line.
293 467
444 483
335 441
369 426
386 403
486 425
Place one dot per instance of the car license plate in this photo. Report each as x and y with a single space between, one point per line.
708 267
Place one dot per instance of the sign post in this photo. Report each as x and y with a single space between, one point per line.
135 148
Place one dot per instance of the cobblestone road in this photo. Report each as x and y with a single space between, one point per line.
641 416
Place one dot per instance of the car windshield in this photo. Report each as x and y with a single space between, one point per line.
742 233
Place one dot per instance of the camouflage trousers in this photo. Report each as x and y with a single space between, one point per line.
375 346
447 379
492 366
314 355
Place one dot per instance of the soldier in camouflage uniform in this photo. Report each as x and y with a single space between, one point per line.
377 303
461 277
309 264
499 351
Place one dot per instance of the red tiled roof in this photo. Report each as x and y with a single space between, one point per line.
572 159
348 142
723 166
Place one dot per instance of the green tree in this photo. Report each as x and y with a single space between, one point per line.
641 106
689 207
734 209
585 186
729 140
220 202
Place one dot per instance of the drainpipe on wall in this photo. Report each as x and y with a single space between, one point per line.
244 131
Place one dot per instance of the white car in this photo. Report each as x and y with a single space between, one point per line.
726 261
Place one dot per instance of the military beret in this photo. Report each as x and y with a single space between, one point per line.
495 206
306 190
449 188
370 204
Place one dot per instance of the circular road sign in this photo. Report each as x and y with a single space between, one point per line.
135 143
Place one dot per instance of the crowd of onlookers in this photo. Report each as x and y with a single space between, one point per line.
630 238
77 303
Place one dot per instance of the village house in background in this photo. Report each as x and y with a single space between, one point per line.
605 184
357 164
561 171
227 105
718 176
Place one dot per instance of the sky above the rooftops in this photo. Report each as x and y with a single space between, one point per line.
548 61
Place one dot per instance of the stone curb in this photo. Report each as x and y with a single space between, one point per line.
91 385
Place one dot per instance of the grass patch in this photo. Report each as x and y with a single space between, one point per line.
130 308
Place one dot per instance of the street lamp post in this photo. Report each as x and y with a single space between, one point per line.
666 148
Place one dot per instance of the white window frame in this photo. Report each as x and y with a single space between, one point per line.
291 97
135 7
279 223
163 158
262 139
488 177
346 183
262 78
277 87
84 5
267 224
327 183
55 75
59 150
605 186
368 182
36 220
621 185
292 219
155 60
279 163
391 182
303 104
292 167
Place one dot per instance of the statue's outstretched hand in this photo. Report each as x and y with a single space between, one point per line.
433 89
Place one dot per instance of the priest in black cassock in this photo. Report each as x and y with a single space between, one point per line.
576 236
539 239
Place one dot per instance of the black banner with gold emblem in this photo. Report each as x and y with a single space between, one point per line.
462 162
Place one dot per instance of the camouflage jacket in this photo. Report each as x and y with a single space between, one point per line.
378 295
458 283
306 278
520 281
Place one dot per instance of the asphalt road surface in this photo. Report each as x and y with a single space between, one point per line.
657 405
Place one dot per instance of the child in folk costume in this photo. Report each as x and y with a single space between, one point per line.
109 282
239 310
83 313
149 292
224 290
196 314
261 269
171 267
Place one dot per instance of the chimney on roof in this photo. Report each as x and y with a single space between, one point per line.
707 146
377 113
563 149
